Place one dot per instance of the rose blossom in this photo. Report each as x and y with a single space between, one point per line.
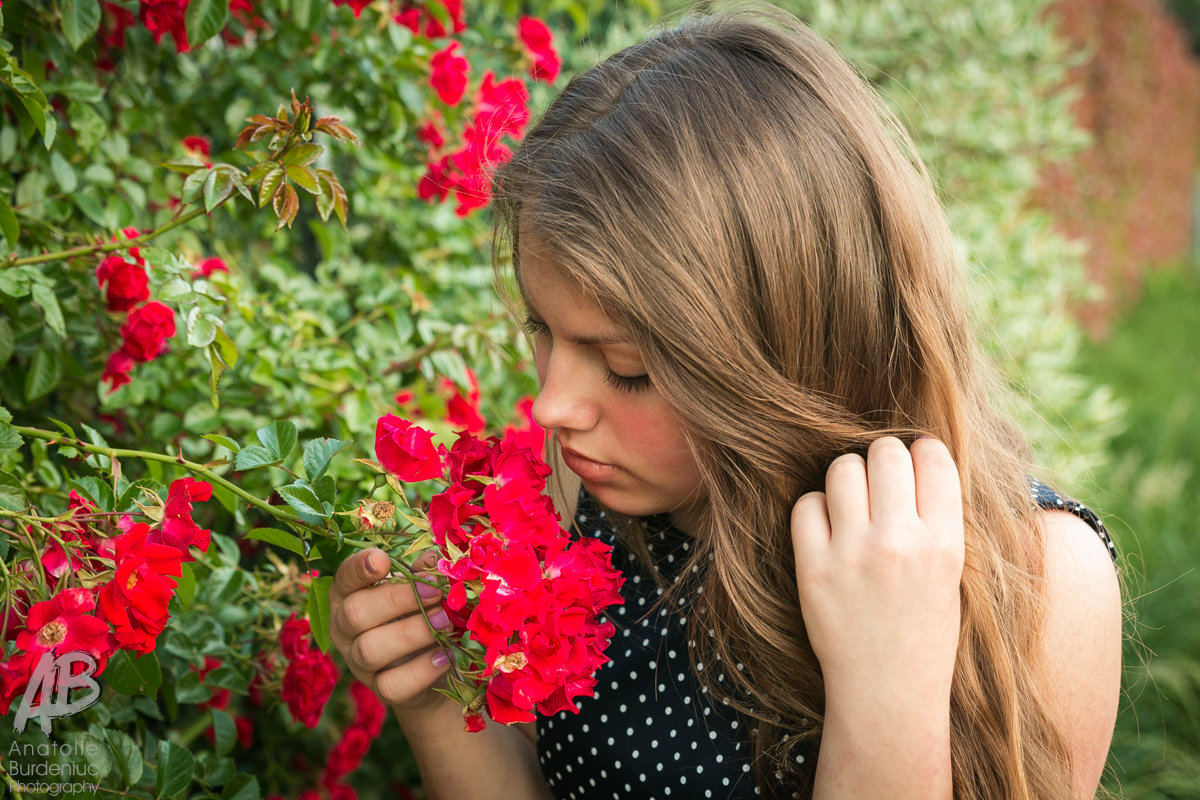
135 601
538 40
146 331
406 450
448 74
127 283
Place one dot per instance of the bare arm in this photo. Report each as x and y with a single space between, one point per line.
880 621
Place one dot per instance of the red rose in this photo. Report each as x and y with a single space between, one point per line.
177 528
528 434
117 369
14 677
135 601
448 74
436 182
356 6
166 16
295 637
308 683
406 450
208 266
540 43
146 331
64 623
197 146
128 283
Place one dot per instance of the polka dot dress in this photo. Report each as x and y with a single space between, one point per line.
652 731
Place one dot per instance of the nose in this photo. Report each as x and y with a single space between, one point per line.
565 400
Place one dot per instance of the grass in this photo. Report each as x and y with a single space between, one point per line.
1150 497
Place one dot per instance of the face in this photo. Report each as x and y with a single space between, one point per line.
616 431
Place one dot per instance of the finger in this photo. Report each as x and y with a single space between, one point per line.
399 640
810 531
890 481
364 568
938 490
401 684
846 495
378 605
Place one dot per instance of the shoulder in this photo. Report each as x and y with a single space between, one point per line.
1081 640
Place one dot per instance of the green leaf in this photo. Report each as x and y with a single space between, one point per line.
224 441
205 19
241 787
279 437
317 455
318 611
270 182
325 489
226 348
224 731
302 498
128 756
90 753
8 223
254 457
12 493
81 20
45 370
278 538
45 299
302 154
9 438
200 328
186 591
130 674
7 341
64 173
175 767
217 187
304 177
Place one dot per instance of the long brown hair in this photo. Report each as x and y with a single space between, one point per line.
736 196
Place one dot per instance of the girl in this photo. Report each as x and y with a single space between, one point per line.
754 354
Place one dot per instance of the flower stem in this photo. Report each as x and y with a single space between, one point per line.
63 255
281 513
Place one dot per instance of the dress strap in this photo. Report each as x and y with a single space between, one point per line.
1048 499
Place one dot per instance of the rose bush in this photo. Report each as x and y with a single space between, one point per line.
218 268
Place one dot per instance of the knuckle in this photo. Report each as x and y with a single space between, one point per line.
362 651
353 614
394 686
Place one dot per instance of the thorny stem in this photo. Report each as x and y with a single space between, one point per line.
282 513
63 255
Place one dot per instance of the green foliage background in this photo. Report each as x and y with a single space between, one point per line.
325 324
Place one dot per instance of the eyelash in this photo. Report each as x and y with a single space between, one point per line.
625 383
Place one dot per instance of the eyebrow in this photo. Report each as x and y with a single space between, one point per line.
583 341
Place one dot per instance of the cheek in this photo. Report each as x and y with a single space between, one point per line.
658 433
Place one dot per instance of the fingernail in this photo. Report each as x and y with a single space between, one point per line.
426 591
439 620
369 563
441 659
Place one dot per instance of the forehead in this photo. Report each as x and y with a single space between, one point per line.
550 292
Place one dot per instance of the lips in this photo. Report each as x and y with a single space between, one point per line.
587 468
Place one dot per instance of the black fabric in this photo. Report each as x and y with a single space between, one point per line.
652 731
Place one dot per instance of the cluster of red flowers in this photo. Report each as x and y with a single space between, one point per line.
149 324
501 109
310 676
129 611
418 18
529 596
162 17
